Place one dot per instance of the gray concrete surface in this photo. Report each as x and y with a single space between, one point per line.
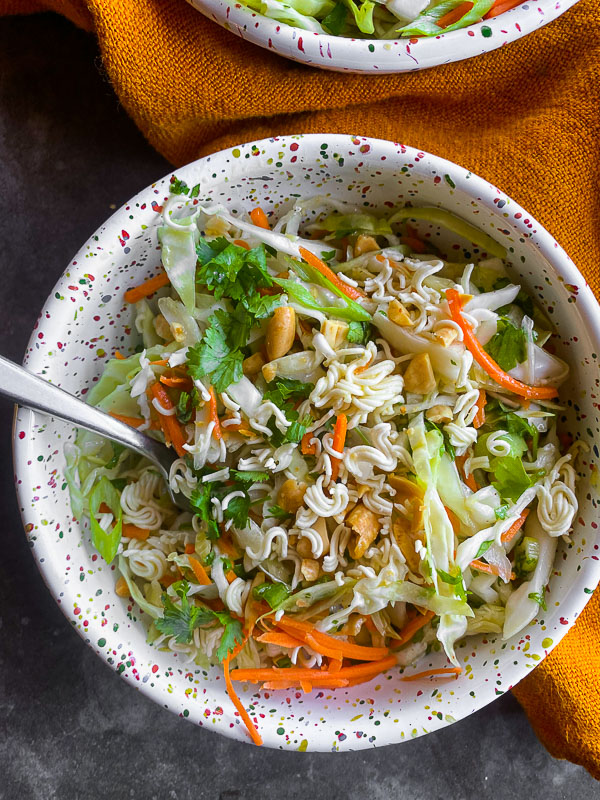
69 728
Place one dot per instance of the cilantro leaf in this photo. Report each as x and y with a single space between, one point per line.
230 270
237 510
297 430
232 635
275 594
249 476
508 346
181 621
522 300
283 389
358 332
185 406
214 356
485 546
279 512
511 478
446 446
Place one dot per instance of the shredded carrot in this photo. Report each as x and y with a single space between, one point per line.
231 576
359 370
120 356
175 382
280 639
306 632
311 641
147 288
364 671
500 6
339 439
171 428
409 630
259 218
319 265
416 245
167 580
454 520
242 243
479 418
213 415
133 422
162 363
454 15
121 587
306 448
442 672
486 362
490 569
254 734
227 546
469 478
199 571
189 549
133 532
515 527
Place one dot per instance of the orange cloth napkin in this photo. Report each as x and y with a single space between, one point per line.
526 117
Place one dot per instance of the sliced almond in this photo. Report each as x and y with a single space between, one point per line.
397 313
419 377
365 524
269 371
335 332
439 413
365 244
446 335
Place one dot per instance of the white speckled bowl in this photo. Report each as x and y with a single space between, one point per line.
375 55
85 320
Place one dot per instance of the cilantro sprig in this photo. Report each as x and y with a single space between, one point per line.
182 620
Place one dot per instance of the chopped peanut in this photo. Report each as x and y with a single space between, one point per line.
253 364
407 532
419 377
353 626
281 332
335 332
439 414
366 526
309 569
162 328
291 495
365 244
397 313
446 335
304 548
269 371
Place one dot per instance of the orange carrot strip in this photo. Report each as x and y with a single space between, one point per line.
185 384
189 549
170 426
231 576
409 630
133 422
442 672
339 439
479 418
199 571
242 243
468 479
306 448
486 362
491 569
162 363
454 520
319 265
254 734
500 6
416 245
259 218
213 415
454 15
121 587
133 532
147 288
120 356
280 639
515 527
365 671
347 649
311 641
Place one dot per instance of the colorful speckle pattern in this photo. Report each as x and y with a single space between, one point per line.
376 55
85 320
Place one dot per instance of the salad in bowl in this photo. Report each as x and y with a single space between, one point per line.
377 373
367 434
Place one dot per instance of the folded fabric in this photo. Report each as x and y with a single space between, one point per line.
524 117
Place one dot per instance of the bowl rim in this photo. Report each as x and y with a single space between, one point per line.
470 183
336 53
